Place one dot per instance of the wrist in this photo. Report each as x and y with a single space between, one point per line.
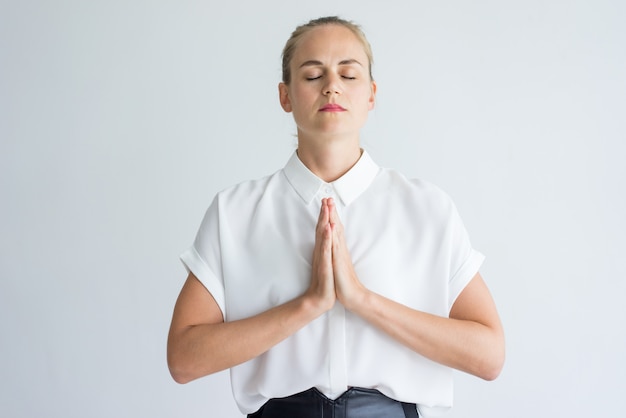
357 299
314 305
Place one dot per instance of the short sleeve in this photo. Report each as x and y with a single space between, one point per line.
464 260
203 258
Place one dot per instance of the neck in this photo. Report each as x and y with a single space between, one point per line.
329 160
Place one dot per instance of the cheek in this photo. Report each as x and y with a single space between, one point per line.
303 99
364 99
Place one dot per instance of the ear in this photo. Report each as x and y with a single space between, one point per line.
372 100
283 95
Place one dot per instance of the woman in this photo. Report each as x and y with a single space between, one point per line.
334 287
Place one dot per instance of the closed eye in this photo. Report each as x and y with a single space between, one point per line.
314 78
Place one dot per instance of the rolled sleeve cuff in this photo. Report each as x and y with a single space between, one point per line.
194 263
464 275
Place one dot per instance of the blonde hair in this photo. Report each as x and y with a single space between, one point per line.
292 42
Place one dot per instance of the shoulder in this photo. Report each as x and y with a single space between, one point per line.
414 190
242 199
248 189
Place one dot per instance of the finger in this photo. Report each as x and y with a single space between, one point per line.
319 220
331 209
324 217
334 218
327 240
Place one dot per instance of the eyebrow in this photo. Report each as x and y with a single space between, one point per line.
315 63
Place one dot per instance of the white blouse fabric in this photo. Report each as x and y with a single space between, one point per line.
253 251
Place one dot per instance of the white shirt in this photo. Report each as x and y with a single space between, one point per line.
253 251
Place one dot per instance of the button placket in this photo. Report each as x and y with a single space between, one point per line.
327 190
337 350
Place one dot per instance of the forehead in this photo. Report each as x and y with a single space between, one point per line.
329 44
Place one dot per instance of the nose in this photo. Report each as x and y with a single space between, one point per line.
333 85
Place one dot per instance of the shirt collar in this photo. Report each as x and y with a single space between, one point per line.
348 187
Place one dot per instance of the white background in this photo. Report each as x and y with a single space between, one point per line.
119 121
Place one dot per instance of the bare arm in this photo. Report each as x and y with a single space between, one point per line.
471 340
201 343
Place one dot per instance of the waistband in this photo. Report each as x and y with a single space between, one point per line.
354 403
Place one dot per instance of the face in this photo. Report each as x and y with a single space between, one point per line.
330 93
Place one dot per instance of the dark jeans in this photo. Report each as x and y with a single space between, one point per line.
355 403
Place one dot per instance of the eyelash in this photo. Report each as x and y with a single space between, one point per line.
318 77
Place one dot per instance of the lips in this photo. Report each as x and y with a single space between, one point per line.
332 107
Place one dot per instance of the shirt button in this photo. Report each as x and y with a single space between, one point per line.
328 190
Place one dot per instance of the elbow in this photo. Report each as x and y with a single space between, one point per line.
488 369
178 374
184 370
492 368
178 369
491 373
493 362
179 377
